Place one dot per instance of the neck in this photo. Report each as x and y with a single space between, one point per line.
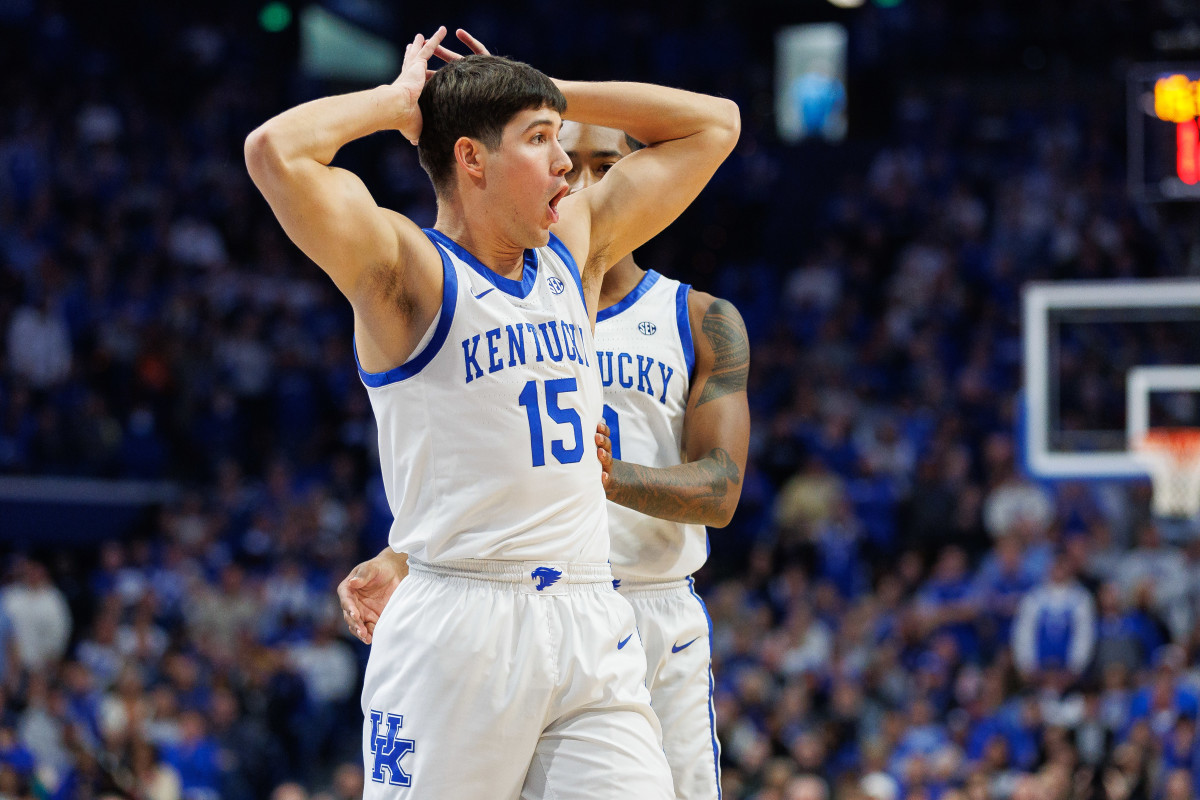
478 232
620 280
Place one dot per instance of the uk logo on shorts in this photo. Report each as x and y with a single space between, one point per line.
388 748
556 286
545 577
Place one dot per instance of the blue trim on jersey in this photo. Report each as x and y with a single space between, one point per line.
519 288
417 362
712 719
648 280
685 328
556 244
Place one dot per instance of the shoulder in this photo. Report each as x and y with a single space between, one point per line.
716 323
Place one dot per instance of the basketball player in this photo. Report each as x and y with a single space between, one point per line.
505 665
673 362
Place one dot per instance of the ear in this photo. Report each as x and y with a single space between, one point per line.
471 155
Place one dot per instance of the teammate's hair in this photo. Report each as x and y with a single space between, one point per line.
476 96
633 144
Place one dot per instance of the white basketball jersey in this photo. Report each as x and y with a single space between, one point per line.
645 354
485 433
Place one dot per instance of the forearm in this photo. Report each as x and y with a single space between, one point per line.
319 128
650 113
701 492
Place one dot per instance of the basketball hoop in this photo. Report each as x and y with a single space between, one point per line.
1172 458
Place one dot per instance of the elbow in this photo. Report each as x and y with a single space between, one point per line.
724 515
727 122
262 153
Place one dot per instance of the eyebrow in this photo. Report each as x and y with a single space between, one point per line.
538 122
598 153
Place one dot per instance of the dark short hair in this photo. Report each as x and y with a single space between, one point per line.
476 96
633 144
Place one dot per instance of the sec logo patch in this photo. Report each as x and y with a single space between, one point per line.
647 328
556 285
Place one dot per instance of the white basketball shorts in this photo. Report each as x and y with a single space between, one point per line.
677 635
499 679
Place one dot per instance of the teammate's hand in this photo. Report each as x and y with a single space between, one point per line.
366 590
604 453
412 79
446 54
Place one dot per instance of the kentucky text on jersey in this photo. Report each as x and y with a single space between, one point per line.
508 346
626 369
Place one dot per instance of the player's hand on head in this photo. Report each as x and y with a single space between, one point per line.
476 47
413 75
604 453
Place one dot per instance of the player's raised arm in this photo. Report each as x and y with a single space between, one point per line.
328 212
687 135
716 428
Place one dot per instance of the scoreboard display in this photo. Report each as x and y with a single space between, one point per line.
1164 132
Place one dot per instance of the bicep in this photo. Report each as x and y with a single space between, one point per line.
718 414
330 215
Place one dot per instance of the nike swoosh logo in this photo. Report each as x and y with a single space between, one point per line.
481 294
675 648
624 641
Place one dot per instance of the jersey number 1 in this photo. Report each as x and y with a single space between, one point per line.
564 416
614 430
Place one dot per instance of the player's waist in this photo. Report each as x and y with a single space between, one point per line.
543 577
637 587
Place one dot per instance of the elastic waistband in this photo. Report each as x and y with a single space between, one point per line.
549 577
640 588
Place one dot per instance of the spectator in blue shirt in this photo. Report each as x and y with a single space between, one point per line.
949 604
1000 593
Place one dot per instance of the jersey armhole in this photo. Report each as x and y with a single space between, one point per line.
418 360
560 249
683 319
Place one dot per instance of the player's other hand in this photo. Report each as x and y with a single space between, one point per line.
476 46
604 453
412 79
366 590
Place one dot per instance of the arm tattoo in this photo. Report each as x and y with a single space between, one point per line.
694 493
726 334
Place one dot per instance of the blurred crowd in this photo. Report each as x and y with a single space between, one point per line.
898 613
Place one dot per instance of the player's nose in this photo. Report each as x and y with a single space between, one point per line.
586 178
560 163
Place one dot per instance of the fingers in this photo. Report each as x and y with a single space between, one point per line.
446 54
432 44
422 49
352 611
604 444
471 42
353 619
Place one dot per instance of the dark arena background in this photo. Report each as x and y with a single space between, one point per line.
941 406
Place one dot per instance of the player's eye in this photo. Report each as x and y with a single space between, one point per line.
539 138
605 168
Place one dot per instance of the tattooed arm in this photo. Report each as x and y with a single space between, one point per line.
716 429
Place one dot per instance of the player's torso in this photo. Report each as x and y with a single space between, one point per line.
486 432
645 357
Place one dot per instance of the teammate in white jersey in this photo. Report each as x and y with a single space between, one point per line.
506 665
673 363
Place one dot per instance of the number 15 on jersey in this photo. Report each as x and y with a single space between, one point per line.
562 416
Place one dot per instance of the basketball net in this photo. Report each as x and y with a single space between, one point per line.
1172 458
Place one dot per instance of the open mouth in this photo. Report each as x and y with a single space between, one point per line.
554 201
